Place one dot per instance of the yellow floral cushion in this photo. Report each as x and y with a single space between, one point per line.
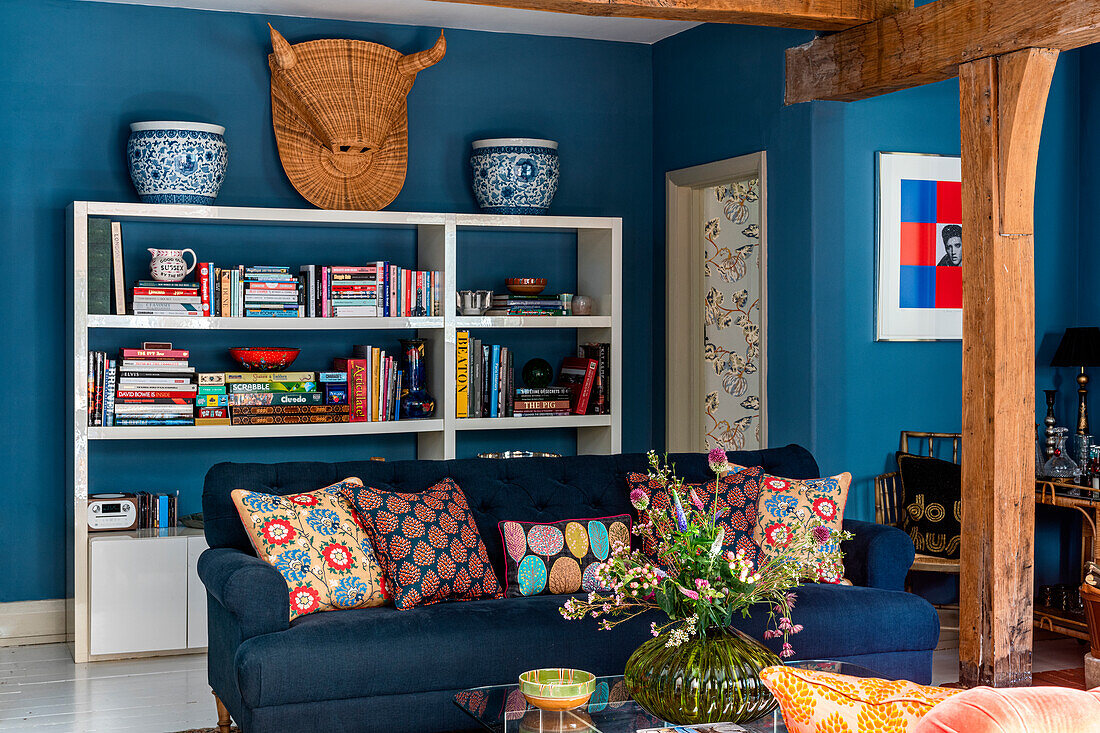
824 702
317 543
781 498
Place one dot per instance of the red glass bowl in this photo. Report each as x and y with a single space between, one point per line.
264 358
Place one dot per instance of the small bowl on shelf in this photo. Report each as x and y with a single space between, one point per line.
264 358
557 689
525 285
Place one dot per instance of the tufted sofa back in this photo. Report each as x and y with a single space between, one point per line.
531 489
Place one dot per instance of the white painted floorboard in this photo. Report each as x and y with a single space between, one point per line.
42 689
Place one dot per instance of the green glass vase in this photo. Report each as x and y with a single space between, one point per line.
709 679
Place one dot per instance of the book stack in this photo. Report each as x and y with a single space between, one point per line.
600 401
156 386
373 384
529 305
102 374
270 292
279 398
542 402
154 298
485 378
212 402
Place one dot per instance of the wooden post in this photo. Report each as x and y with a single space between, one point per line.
1002 103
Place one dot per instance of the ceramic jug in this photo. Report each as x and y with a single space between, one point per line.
168 265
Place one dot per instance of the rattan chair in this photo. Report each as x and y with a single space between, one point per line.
888 496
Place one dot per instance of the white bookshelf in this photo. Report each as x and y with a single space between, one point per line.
438 237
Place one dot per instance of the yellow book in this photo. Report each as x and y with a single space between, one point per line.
462 374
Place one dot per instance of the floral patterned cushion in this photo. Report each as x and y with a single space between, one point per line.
428 544
738 492
558 557
824 702
317 543
781 497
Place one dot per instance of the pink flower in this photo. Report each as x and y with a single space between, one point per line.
639 499
700 583
689 593
772 634
791 598
717 461
822 534
787 651
696 501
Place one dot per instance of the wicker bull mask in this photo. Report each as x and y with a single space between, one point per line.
341 118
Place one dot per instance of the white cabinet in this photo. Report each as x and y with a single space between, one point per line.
143 590
196 595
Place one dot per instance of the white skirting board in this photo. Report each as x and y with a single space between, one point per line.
32 622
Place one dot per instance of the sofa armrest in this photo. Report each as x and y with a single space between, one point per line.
878 556
250 589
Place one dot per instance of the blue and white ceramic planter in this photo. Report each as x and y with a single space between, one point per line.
177 162
514 175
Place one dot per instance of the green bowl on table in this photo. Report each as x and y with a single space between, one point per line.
557 688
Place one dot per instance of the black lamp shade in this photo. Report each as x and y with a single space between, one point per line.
1080 347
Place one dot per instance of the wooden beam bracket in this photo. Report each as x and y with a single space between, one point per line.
1002 102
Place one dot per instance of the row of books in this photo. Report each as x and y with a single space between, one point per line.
485 383
274 291
374 384
154 385
157 511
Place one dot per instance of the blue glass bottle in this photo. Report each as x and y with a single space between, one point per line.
416 403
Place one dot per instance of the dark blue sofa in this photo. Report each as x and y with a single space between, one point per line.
392 671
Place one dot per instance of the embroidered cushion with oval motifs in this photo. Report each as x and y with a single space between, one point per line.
931 504
427 544
317 543
825 702
559 557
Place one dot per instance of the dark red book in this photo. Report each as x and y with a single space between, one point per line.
578 375
358 398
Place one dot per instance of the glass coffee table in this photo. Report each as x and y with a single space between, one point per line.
502 709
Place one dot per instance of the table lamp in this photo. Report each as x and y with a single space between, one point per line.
1080 347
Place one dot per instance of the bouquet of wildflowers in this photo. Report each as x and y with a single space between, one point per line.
694 581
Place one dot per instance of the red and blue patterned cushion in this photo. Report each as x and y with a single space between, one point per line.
427 544
738 493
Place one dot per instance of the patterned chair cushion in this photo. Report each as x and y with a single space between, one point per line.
427 544
824 702
558 557
780 497
738 492
316 541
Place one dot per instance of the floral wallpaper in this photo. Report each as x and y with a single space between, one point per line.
731 332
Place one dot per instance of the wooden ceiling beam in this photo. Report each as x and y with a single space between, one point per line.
927 44
826 15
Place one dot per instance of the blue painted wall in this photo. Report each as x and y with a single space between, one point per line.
718 94
73 75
